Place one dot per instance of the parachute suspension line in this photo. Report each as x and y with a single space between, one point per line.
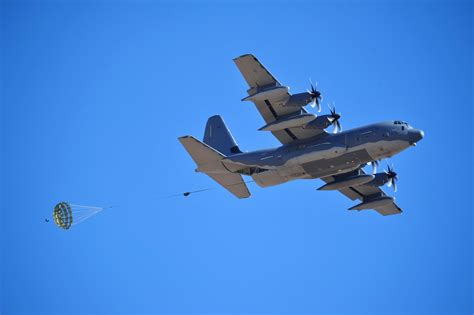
85 207
85 214
66 215
83 218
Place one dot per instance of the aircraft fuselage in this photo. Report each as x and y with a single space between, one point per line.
326 155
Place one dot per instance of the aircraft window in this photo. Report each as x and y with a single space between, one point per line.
403 127
397 122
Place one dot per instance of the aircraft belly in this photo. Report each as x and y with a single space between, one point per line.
268 178
323 151
382 149
279 176
291 173
341 164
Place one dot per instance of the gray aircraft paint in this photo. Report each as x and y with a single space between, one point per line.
308 151
326 155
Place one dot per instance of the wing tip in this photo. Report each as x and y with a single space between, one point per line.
243 56
245 197
185 137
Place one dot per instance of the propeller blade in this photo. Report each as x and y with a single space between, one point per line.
315 95
331 111
375 165
313 86
392 177
334 118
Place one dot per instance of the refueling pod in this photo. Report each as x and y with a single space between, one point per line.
348 182
289 122
274 92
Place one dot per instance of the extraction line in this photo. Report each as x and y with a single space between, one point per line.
187 193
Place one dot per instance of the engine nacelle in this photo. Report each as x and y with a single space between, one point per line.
321 122
380 179
299 100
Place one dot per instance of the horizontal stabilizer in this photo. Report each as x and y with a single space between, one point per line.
209 162
207 159
233 182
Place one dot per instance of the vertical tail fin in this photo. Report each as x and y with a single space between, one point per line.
218 136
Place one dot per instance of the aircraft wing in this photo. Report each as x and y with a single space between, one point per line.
258 76
365 191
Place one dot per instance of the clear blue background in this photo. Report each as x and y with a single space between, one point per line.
95 95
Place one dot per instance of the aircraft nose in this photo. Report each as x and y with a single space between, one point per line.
415 135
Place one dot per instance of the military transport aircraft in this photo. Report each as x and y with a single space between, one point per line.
307 150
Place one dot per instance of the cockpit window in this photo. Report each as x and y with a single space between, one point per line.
398 122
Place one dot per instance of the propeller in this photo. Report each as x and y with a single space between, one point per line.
392 177
315 96
374 165
334 117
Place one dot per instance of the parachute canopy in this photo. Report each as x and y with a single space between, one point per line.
66 215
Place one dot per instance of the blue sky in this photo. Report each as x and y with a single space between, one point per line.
95 95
